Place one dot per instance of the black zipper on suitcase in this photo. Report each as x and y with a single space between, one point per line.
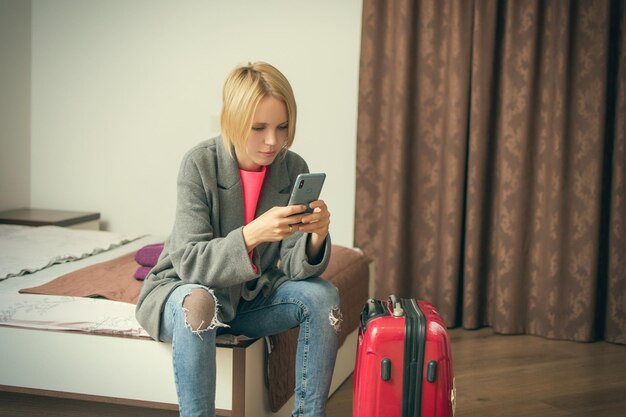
414 343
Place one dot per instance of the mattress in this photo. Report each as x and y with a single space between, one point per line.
66 313
97 315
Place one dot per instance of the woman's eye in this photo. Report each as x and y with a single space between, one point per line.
283 127
257 128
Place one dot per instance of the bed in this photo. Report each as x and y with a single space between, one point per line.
93 348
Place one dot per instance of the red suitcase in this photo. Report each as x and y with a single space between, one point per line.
403 362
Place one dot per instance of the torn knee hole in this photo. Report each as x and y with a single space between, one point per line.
200 307
335 318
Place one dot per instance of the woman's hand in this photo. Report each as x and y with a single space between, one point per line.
275 224
317 224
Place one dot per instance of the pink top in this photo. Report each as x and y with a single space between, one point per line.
252 183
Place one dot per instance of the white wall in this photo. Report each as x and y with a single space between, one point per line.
14 104
122 89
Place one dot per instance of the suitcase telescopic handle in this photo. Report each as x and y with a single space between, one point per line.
373 308
393 299
396 306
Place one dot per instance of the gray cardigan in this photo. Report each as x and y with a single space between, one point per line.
206 245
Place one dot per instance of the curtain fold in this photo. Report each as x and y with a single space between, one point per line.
615 314
490 161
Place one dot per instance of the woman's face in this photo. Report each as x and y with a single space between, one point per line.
268 135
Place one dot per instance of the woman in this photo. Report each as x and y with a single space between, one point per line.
238 257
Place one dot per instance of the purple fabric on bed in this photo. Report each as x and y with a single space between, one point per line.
149 254
142 272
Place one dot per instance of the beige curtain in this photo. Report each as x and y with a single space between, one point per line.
491 161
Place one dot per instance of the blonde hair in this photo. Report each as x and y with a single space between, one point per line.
243 89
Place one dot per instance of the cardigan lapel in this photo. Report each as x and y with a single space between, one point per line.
229 189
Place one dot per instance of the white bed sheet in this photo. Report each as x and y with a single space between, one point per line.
81 314
29 249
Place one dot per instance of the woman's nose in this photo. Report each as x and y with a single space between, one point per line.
272 138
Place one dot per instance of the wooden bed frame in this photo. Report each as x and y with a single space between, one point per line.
134 371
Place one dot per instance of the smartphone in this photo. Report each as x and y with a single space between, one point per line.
307 189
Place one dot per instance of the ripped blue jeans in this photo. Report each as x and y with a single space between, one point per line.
312 304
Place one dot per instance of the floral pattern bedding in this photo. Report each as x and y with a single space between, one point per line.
92 315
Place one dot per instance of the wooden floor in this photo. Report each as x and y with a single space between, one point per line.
496 376
524 376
